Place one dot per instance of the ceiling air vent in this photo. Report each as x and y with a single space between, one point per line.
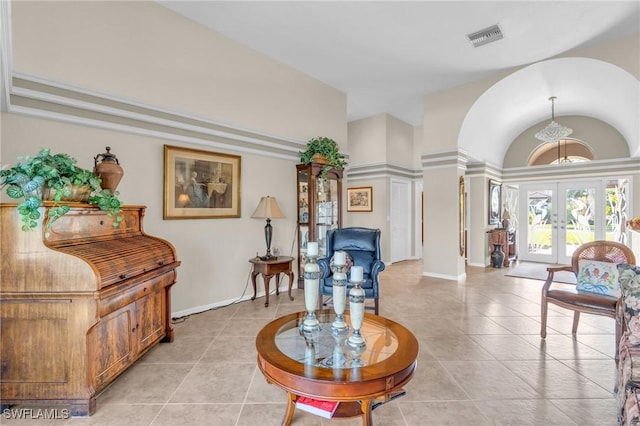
485 36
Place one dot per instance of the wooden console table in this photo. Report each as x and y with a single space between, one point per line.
269 268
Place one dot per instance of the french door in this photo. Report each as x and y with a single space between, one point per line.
558 217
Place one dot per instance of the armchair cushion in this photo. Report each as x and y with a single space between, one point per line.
598 277
630 286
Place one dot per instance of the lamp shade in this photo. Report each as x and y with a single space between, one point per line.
268 209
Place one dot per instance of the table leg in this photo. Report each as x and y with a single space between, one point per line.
291 406
253 281
277 283
290 273
267 280
367 419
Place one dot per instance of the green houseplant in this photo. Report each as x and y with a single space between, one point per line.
58 176
327 148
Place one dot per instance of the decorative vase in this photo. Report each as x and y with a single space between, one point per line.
108 169
497 256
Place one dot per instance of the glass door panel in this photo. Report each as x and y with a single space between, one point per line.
577 220
560 217
538 233
616 203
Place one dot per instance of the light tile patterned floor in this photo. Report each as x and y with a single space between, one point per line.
481 362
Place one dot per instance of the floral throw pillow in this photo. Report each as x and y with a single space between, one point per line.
630 286
598 277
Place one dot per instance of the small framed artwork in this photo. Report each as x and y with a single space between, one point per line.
200 184
360 199
494 202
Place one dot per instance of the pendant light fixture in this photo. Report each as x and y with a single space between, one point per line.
554 131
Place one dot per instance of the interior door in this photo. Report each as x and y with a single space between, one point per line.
400 221
559 218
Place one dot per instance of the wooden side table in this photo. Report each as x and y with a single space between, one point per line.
269 268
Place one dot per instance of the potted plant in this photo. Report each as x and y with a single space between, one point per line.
55 177
319 147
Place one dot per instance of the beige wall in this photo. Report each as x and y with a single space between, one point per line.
399 146
380 140
143 52
368 140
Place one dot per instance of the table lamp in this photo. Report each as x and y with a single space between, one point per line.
268 209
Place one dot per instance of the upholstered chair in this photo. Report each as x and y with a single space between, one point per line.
363 246
594 265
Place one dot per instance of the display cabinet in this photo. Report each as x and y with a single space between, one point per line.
319 208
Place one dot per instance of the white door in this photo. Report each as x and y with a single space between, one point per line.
559 218
400 220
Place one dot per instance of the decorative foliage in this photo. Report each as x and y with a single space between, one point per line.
28 179
326 147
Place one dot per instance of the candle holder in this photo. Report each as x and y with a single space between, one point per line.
356 313
311 294
339 297
356 353
338 358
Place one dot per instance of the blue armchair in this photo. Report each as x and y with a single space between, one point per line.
363 245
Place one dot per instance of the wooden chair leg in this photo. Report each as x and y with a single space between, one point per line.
376 306
576 319
543 319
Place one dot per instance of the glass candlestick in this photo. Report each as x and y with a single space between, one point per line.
339 296
356 313
311 288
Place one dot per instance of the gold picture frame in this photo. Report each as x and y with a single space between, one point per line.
461 217
200 184
360 199
495 201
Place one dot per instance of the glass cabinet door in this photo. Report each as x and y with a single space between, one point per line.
326 210
303 196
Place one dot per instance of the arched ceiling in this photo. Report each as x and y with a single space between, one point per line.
582 86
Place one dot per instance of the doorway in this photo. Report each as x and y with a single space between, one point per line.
400 220
557 217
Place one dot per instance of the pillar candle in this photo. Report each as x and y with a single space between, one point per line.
339 258
356 273
312 248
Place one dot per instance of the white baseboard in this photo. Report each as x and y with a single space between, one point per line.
202 308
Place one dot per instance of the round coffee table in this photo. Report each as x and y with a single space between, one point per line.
326 368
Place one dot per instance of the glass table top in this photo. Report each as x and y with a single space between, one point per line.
329 348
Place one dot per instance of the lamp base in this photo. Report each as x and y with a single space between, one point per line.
268 257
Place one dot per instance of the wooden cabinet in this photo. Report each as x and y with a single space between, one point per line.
506 237
319 208
79 304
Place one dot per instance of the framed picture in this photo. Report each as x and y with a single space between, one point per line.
200 184
360 199
494 202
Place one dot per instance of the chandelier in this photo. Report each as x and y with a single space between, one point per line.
554 131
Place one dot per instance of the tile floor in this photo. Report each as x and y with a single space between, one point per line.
481 362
